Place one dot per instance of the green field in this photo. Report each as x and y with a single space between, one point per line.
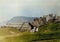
46 33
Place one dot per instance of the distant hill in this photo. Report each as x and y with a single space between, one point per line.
20 19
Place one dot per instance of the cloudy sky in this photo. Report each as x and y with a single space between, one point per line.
35 8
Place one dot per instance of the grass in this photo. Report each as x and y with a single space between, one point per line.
34 37
46 33
8 31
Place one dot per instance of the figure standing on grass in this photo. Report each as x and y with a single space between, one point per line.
33 28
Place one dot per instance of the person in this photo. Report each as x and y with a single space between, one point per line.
36 30
32 27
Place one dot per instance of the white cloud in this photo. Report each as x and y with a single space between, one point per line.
11 8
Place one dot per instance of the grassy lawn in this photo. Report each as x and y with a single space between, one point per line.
35 37
47 33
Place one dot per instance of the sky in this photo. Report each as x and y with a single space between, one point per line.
34 8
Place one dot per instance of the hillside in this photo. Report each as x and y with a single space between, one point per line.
20 19
8 31
47 33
